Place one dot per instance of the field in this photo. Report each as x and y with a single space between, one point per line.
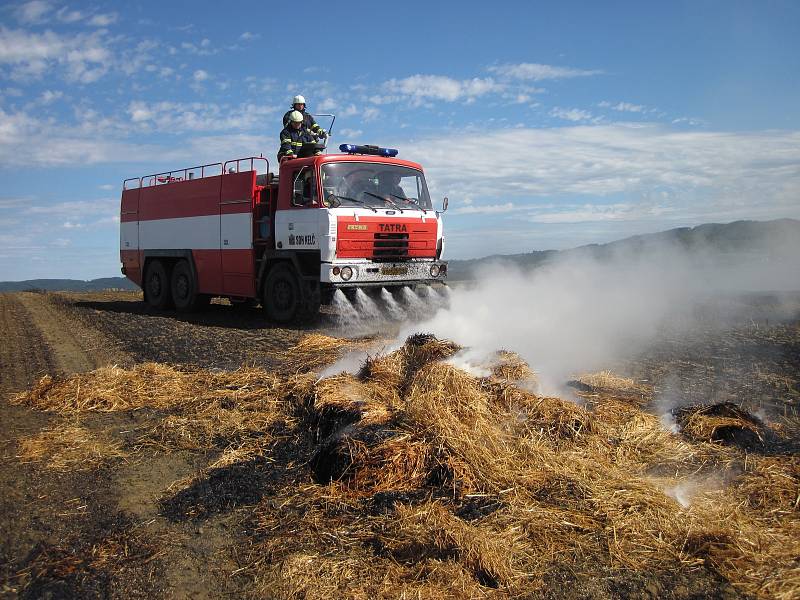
203 456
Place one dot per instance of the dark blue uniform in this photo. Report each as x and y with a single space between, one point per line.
292 140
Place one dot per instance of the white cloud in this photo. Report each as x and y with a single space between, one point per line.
139 111
50 96
539 72
599 212
716 174
84 57
571 114
65 15
103 20
200 75
34 11
352 133
327 104
248 36
623 106
486 209
203 48
418 89
181 117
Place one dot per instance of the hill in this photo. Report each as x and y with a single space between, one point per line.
68 285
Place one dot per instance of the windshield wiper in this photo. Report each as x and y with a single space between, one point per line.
382 199
414 202
349 199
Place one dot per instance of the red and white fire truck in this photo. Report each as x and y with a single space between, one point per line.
359 219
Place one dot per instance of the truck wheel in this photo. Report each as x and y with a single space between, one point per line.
183 287
157 286
281 294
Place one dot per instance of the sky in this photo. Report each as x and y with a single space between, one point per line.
547 126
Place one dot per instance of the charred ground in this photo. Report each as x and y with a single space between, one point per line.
171 507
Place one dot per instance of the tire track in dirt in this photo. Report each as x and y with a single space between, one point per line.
24 355
41 338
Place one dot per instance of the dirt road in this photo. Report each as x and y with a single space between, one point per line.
41 338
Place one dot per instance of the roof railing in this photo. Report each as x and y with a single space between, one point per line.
253 160
198 172
187 174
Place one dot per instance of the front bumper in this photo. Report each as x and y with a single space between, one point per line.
371 274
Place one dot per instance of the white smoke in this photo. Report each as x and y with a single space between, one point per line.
580 313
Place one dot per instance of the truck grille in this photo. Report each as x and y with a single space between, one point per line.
390 247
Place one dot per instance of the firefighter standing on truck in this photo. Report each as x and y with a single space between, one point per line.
299 105
293 136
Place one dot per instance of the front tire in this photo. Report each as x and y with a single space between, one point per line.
282 294
184 287
157 292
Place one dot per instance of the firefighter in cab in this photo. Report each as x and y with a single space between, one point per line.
299 105
293 136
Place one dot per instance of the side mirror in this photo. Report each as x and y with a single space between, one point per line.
445 202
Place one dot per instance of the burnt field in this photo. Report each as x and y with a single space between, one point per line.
148 455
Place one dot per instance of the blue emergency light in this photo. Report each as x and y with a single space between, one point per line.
367 149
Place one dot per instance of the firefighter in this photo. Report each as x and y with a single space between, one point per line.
293 136
299 105
389 184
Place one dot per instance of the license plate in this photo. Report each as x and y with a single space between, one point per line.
394 270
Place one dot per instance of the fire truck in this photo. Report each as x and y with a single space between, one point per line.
362 218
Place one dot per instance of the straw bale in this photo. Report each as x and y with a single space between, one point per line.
355 400
422 348
432 531
510 366
756 552
608 383
148 385
386 374
554 419
68 447
642 525
396 464
726 423
315 351
771 483
213 428
357 575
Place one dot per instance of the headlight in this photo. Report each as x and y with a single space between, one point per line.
434 270
336 270
347 273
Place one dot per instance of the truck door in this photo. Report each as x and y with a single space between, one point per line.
129 254
236 233
298 227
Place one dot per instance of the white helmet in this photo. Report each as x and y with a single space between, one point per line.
299 100
296 116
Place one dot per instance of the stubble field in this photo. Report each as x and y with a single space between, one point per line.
148 455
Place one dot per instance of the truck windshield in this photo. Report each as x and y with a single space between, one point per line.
374 185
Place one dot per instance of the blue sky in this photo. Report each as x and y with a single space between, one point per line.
546 126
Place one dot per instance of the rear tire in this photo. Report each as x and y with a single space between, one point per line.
157 292
282 296
183 287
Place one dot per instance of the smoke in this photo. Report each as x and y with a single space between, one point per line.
587 309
